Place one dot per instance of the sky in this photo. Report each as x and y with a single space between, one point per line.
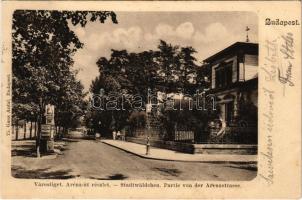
207 32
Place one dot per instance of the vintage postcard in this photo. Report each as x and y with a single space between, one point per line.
151 99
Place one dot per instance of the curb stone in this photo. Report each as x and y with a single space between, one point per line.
173 160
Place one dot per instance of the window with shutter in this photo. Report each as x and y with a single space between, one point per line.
223 75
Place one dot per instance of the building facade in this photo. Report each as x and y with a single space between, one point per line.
234 83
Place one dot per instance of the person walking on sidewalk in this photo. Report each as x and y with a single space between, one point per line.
114 135
118 135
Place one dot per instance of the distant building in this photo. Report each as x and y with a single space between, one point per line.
234 83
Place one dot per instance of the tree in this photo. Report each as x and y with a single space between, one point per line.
168 69
70 103
187 70
143 72
43 45
102 117
168 61
203 76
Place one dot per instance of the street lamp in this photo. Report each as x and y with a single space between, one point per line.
148 146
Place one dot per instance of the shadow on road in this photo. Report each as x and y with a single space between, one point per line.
117 177
112 177
251 167
70 140
24 150
27 148
171 172
20 172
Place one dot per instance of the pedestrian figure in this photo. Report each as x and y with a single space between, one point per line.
118 135
123 135
113 135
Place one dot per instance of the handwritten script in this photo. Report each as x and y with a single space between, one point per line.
278 71
285 67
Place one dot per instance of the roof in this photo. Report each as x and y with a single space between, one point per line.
246 47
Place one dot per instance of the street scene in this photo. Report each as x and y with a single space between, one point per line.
105 162
134 95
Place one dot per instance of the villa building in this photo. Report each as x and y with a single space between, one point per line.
234 83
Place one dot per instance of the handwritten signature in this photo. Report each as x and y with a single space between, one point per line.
287 51
287 77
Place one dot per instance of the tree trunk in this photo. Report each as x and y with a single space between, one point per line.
38 139
59 136
55 132
31 129
13 129
24 130
17 129
35 129
40 121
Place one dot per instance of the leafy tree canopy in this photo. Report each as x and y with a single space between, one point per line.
43 45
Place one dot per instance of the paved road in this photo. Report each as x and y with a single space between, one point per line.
96 160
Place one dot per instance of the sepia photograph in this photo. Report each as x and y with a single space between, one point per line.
134 95
150 100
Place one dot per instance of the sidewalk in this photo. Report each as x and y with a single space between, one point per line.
165 154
